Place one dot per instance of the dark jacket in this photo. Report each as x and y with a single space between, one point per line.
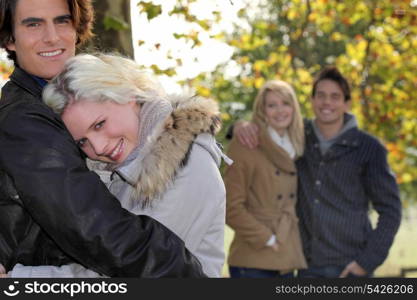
336 191
55 211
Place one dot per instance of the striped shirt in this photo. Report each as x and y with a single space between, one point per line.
336 190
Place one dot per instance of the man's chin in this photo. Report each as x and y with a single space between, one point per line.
327 121
53 69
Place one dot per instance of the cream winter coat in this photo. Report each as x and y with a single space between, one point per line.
177 183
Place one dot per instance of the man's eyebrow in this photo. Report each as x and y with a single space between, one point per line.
38 20
63 17
31 20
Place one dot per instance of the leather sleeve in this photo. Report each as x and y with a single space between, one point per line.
75 208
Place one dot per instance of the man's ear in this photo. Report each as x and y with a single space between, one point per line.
348 105
11 45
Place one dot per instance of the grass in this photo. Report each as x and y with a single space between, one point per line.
404 250
403 253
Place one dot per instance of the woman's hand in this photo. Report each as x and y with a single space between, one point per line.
275 247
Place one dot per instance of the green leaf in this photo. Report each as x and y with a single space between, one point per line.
113 23
151 10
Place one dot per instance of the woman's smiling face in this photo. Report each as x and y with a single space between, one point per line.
105 131
279 112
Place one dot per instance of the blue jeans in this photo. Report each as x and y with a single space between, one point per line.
326 272
239 272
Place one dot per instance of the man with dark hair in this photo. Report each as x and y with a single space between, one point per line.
54 210
342 173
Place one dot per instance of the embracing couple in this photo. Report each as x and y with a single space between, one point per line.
157 154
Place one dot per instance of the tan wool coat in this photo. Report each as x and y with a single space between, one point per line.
261 192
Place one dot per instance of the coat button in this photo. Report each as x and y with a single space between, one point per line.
293 173
292 195
277 172
279 197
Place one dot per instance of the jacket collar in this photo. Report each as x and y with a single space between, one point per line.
26 81
275 154
346 142
349 138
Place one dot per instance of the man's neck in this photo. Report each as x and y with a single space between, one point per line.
42 82
329 131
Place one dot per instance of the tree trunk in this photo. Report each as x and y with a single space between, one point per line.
112 40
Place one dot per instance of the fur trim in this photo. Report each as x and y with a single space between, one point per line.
168 148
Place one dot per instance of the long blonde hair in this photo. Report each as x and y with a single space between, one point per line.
287 93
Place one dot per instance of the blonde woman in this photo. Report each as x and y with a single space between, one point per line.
261 189
156 153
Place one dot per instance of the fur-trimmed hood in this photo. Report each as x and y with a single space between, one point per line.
192 120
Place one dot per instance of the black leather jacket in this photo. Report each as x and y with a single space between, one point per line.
54 211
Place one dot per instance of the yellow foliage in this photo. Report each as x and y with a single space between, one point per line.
338 32
409 125
410 114
405 43
247 82
406 178
203 91
312 17
259 65
225 116
234 43
304 76
245 38
243 60
336 36
292 14
391 147
259 82
395 58
273 58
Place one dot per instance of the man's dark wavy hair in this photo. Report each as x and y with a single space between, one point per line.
332 73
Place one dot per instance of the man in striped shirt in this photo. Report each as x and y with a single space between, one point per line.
343 172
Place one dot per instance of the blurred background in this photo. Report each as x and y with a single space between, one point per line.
227 49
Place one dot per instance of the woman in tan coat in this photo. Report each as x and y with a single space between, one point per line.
261 188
